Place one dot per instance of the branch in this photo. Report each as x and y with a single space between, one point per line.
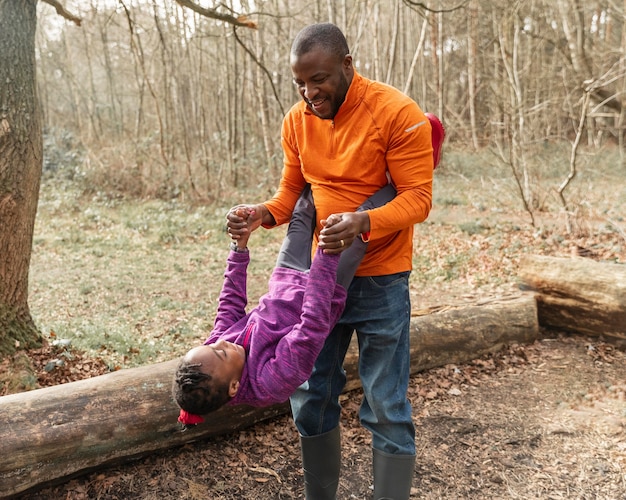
63 12
572 162
213 14
263 68
411 4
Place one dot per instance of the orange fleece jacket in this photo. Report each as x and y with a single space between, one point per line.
378 134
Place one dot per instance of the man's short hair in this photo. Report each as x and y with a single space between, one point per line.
327 36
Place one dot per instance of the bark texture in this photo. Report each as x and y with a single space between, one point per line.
578 295
20 170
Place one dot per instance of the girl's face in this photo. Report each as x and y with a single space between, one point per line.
223 360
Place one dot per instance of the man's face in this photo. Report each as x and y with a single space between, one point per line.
322 80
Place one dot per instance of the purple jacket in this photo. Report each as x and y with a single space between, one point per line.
285 333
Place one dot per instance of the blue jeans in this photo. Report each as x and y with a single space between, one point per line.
378 308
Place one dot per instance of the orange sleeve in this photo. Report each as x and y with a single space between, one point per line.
410 166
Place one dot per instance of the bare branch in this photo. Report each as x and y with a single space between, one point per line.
241 20
411 4
263 68
63 12
572 162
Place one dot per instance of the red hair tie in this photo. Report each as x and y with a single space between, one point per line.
187 418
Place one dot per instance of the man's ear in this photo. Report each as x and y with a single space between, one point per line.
233 387
347 62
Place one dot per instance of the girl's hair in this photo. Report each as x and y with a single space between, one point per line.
197 392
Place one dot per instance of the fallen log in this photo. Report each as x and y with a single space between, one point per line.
455 334
578 295
48 435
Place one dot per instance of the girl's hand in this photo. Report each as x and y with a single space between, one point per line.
241 221
340 230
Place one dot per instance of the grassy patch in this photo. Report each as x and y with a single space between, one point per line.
137 281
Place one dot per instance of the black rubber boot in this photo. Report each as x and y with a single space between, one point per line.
321 461
393 475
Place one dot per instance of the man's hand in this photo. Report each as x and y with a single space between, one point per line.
241 220
340 230
245 213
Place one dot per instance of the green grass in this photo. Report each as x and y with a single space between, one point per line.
137 282
134 282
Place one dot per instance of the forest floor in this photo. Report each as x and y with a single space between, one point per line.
539 421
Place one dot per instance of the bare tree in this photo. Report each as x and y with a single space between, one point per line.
590 52
573 171
621 122
472 56
21 151
513 150
392 51
207 94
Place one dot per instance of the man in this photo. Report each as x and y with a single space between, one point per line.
348 137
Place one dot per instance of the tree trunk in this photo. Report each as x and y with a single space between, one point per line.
20 170
578 295
50 434
393 44
472 58
263 110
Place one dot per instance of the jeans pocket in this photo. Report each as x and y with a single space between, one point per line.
389 279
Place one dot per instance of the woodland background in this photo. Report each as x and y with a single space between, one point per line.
157 119
150 98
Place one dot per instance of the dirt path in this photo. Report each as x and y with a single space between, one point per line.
545 421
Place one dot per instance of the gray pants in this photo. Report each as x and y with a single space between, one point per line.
295 252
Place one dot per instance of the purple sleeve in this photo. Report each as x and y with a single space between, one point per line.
297 351
233 297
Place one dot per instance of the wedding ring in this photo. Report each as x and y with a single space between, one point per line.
342 243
